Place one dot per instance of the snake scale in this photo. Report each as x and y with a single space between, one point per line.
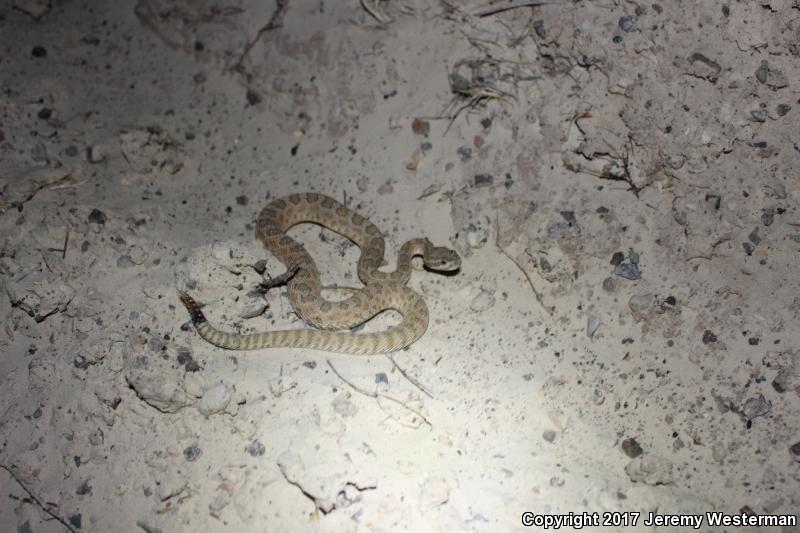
381 291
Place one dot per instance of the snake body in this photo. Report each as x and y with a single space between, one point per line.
381 291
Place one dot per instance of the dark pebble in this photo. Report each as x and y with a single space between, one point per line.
627 23
261 266
483 180
192 453
420 127
255 448
783 109
464 152
617 258
45 113
762 71
84 488
549 435
609 284
538 27
97 217
795 449
241 200
671 300
425 147
311 365
617 39
748 248
759 115
253 98
71 150
628 271
753 341
709 337
39 51
75 520
381 377
631 448
754 237
767 219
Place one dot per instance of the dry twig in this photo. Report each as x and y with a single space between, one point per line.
548 310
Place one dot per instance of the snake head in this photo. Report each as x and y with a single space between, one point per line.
441 259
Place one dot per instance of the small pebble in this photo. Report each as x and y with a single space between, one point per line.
795 237
748 248
39 153
617 258
464 152
538 27
762 71
759 115
628 271
609 284
795 449
96 437
255 448
71 150
483 301
549 435
215 399
483 180
253 98
94 154
709 337
192 453
260 266
631 448
675 162
39 51
783 109
627 23
253 308
767 219
421 127
754 237
425 148
381 377
84 488
640 302
755 407
592 323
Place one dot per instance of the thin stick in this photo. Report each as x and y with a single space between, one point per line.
39 502
377 396
548 310
66 242
357 389
508 7
275 22
413 381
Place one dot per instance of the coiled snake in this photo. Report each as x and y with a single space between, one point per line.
381 291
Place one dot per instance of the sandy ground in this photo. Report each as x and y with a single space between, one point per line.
620 179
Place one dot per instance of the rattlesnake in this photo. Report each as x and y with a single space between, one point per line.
381 291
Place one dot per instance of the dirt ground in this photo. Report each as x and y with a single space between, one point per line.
620 178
